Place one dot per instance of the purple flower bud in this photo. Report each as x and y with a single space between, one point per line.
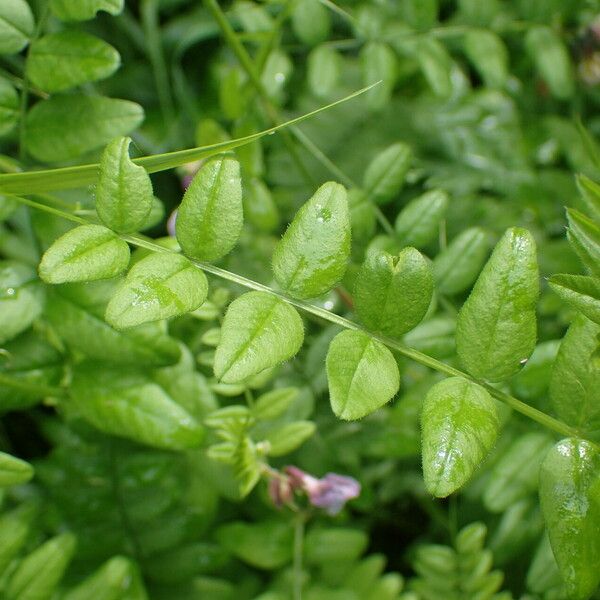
280 491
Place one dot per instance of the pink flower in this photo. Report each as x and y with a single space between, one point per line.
330 492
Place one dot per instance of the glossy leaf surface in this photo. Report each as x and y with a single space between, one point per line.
496 329
460 425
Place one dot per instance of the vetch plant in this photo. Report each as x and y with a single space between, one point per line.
368 332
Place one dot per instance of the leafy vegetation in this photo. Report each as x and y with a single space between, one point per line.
287 306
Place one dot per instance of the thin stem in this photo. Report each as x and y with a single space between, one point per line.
25 86
423 359
248 65
339 11
154 49
298 575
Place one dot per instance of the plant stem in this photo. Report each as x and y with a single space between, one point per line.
423 359
298 575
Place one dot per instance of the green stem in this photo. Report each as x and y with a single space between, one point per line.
423 359
298 575
154 49
25 87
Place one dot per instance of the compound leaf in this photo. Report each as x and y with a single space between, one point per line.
313 253
86 253
581 292
160 286
392 293
460 425
259 331
210 217
362 375
570 499
496 328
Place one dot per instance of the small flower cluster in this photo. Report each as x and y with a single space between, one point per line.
330 493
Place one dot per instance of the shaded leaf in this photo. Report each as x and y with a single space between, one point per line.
287 438
418 222
489 56
13 471
581 292
16 26
82 10
66 126
9 110
59 61
584 235
386 173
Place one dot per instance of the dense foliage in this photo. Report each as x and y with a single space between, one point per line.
339 348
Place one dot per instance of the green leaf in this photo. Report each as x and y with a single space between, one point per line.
334 545
379 64
496 329
14 529
124 195
590 192
79 322
38 574
362 375
392 293
86 253
21 298
531 383
460 425
59 61
117 579
552 60
265 545
288 437
13 471
324 65
311 22
66 126
435 64
124 402
581 292
82 10
386 173
516 475
456 267
31 364
584 235
260 209
274 403
160 286
210 217
313 253
418 222
362 216
16 26
570 499
259 331
9 107
576 377
489 56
